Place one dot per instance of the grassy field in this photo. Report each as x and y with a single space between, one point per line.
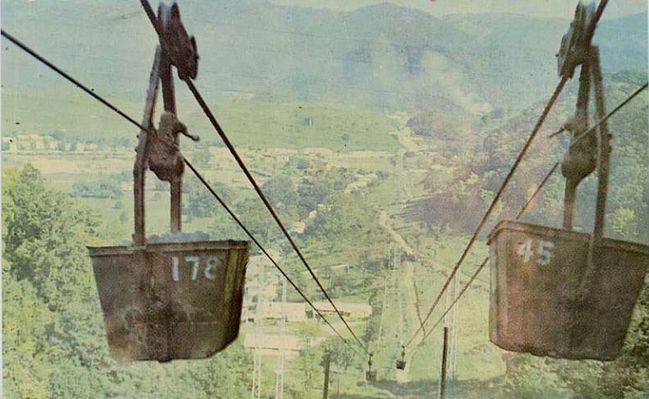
249 123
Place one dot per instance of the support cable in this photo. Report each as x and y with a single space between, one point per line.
484 262
539 123
88 91
252 237
499 193
606 117
199 98
193 169
267 203
598 15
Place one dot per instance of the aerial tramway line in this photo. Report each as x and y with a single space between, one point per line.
554 292
178 299
146 316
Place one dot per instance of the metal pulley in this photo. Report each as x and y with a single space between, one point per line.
575 43
556 292
178 296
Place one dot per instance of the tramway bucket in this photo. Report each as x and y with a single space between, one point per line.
176 300
535 306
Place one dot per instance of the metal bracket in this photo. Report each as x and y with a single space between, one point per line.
161 153
139 168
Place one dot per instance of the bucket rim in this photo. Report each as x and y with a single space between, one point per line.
567 235
169 247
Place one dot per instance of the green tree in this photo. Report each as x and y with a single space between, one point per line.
341 353
281 191
45 237
200 202
53 333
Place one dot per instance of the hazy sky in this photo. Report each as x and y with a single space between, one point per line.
545 8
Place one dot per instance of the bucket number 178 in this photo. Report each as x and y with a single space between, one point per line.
192 265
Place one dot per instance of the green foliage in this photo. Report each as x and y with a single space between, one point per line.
309 364
530 377
97 189
281 191
44 236
341 354
623 220
199 202
54 343
344 214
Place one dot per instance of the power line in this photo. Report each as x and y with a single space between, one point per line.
499 193
191 167
266 202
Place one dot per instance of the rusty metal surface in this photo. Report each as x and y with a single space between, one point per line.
177 43
171 301
140 158
163 155
579 161
575 42
535 306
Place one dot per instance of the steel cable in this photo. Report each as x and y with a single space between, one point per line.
105 102
499 193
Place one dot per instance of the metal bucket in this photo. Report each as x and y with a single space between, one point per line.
170 300
535 272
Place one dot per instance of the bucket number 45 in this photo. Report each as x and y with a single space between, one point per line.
543 250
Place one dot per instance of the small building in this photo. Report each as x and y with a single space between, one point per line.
9 144
295 312
354 311
273 345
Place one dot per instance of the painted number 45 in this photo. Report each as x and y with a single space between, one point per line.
543 250
193 263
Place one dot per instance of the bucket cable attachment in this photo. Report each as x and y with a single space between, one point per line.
186 72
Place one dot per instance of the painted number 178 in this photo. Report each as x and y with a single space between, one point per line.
543 249
193 265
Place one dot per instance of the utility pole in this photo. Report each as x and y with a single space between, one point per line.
327 364
453 346
442 389
450 321
256 376
279 381
256 371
